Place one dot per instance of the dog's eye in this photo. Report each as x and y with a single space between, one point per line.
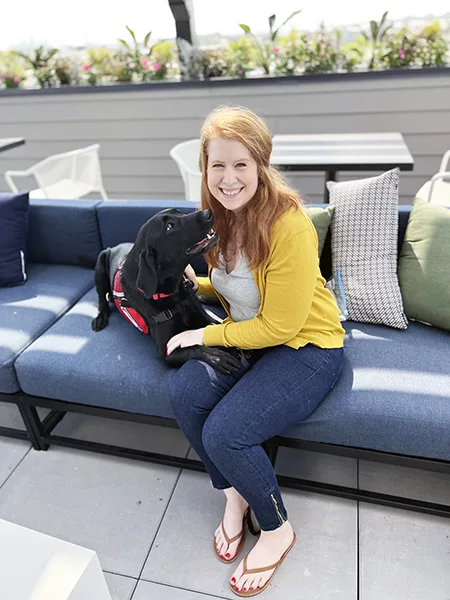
169 226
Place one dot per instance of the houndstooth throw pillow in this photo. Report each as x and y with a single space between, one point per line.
364 233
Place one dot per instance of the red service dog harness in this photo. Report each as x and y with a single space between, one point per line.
134 317
129 313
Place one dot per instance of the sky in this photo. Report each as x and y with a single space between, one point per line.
101 22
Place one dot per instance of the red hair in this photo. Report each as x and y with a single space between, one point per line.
272 199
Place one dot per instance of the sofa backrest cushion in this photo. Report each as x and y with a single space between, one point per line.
14 221
120 221
64 232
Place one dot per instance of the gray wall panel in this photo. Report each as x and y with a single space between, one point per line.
137 128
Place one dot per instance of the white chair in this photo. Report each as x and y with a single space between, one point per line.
437 189
186 155
65 176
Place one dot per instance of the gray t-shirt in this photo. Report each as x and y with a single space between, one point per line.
238 288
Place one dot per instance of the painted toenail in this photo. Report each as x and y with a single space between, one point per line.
227 555
233 580
244 589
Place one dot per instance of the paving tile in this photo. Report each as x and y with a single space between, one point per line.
111 505
323 559
152 591
10 416
419 484
120 588
11 453
403 555
166 440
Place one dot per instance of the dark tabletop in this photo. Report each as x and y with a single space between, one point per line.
341 152
8 143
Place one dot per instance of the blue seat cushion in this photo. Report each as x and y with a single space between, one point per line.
28 310
118 367
392 396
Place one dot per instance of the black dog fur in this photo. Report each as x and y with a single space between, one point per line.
155 264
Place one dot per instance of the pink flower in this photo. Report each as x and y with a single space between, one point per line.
16 80
276 50
144 62
402 54
86 67
157 66
240 72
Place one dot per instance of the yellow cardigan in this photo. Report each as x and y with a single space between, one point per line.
296 308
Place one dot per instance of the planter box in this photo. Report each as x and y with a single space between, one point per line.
136 125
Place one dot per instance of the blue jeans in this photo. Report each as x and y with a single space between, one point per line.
227 417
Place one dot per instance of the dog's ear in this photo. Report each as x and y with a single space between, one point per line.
146 280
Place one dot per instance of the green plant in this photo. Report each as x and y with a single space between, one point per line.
322 53
266 51
138 58
239 56
291 55
40 63
63 71
12 67
376 38
401 49
10 80
433 46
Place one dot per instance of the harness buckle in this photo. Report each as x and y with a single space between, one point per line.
168 313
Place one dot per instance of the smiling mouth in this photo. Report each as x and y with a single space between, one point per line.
231 193
204 245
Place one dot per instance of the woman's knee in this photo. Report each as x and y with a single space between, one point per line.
190 387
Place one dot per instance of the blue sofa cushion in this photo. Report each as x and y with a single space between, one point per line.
27 311
392 395
64 232
121 220
14 212
118 367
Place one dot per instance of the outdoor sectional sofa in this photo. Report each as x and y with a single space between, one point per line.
391 403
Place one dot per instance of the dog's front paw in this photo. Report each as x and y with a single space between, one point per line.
100 322
223 361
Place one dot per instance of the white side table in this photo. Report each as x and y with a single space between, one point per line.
34 566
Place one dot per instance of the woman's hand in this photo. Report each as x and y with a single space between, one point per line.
193 337
190 274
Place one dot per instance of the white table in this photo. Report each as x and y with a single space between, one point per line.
34 566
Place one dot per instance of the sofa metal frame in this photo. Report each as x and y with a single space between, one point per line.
41 434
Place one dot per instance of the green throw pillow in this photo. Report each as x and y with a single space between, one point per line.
424 265
321 218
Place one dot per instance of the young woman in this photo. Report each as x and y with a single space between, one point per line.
265 271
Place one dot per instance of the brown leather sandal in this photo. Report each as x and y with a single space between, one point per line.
229 541
261 570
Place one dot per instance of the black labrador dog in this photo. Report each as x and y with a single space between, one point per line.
146 281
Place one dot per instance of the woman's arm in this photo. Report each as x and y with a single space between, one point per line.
290 284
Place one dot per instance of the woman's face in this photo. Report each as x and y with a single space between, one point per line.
232 174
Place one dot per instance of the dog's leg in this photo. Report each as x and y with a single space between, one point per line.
226 361
103 286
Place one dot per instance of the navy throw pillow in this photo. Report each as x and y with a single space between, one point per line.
14 218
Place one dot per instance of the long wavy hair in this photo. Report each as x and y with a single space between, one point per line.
272 199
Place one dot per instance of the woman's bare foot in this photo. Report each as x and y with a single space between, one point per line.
232 523
268 550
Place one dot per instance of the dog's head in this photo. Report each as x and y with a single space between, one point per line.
166 244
